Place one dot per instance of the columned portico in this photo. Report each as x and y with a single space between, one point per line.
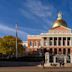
56 41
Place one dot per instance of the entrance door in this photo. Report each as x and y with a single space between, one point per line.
50 58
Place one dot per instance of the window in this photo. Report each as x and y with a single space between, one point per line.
68 59
51 59
59 41
68 50
50 38
39 43
35 43
68 41
45 43
59 49
50 50
57 60
55 51
55 41
50 41
30 43
64 39
68 38
45 38
64 51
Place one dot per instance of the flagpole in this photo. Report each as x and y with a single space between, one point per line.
16 41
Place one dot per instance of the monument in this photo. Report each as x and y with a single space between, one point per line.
47 59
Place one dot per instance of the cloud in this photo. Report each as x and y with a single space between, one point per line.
6 30
27 14
32 30
35 9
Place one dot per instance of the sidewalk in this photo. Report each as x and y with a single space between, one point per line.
35 69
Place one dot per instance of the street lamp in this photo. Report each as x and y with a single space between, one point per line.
16 41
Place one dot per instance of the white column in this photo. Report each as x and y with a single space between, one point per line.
48 41
42 42
52 41
66 41
61 41
70 41
66 51
54 59
57 41
65 61
31 46
37 44
71 57
46 58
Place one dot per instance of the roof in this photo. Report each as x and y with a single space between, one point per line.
60 22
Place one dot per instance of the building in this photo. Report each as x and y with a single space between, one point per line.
58 40
25 43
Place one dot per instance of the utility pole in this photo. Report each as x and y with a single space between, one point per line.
16 41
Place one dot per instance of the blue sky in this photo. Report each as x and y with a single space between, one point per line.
32 16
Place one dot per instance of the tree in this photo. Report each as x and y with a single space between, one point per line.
8 45
2 46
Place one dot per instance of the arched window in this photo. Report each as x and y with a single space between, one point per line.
35 43
31 43
38 43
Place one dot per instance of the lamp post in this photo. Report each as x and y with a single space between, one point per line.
16 41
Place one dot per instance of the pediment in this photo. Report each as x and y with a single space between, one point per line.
60 29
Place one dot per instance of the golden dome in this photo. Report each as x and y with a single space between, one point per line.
59 21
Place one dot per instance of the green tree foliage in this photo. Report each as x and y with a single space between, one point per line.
8 45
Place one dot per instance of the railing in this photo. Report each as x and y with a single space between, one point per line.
54 33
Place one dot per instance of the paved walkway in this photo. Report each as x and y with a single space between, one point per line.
35 69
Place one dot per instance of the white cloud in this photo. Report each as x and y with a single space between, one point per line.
26 14
32 30
6 30
34 9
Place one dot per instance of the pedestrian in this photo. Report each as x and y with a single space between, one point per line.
42 63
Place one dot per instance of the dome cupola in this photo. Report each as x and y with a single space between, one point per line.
59 21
